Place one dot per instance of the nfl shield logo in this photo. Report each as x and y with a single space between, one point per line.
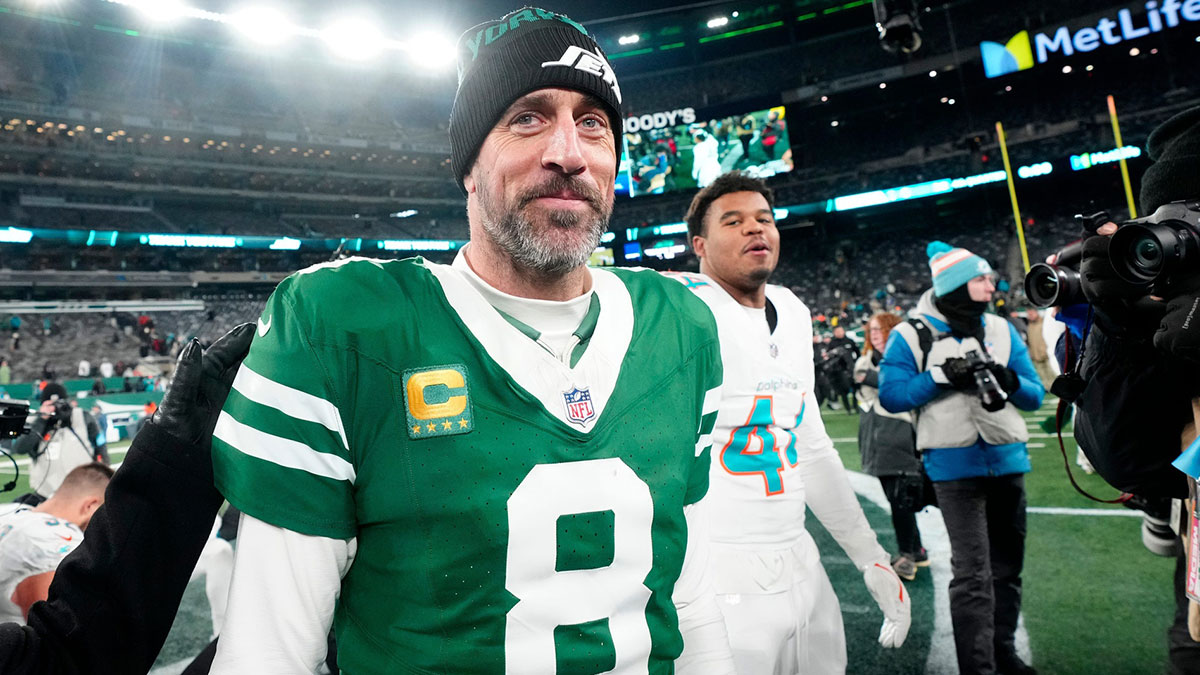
579 405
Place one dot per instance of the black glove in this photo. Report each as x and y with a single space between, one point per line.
191 405
1116 301
1179 332
1005 377
958 373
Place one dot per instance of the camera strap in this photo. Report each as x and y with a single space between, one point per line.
1067 387
924 340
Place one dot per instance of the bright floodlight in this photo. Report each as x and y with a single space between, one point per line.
159 11
718 22
262 25
433 50
353 39
629 39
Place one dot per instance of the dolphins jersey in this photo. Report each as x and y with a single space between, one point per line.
769 420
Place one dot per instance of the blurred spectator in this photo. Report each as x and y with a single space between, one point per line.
85 368
106 368
5 372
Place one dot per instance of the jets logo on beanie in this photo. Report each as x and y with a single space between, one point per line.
1175 148
529 49
952 267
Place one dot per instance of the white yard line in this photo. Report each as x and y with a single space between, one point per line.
1063 511
941 659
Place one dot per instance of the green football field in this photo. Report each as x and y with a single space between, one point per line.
1095 600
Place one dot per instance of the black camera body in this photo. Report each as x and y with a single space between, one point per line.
62 414
991 395
1159 251
14 416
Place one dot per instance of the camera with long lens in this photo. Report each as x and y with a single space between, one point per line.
1161 250
990 394
1056 285
62 414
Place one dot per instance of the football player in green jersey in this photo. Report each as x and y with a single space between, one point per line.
493 466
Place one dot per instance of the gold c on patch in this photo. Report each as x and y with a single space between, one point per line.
437 401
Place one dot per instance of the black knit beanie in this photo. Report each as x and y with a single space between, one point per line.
1175 148
526 50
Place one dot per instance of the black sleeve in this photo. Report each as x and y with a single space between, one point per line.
870 378
1131 413
114 598
29 444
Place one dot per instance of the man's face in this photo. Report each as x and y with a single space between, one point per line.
839 332
981 288
544 180
739 244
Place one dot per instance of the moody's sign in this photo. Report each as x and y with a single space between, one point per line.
1022 52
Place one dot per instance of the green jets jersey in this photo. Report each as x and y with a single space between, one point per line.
513 513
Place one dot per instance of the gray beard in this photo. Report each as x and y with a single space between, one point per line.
515 234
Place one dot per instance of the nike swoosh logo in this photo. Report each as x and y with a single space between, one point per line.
67 538
263 327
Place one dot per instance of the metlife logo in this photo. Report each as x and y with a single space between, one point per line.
1022 53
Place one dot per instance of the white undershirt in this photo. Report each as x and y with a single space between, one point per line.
758 315
556 320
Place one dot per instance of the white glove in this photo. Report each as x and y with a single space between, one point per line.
893 601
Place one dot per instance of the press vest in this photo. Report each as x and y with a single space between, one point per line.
957 419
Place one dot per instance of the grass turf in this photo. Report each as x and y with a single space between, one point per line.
1095 600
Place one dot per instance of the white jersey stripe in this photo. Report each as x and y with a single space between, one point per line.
281 451
949 259
289 401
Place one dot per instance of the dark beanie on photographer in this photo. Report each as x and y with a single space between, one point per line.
502 60
53 389
1175 175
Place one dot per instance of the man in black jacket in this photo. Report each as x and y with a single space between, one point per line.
114 598
1142 361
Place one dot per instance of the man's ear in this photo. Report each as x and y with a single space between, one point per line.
469 182
698 243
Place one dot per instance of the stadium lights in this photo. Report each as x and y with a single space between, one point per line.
1135 51
353 39
834 123
883 85
1066 70
1090 68
629 39
263 25
162 12
734 15
933 73
718 22
432 49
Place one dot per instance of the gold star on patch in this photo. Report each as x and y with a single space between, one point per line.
416 429
432 428
462 424
447 426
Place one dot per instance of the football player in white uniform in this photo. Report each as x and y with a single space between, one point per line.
772 456
34 540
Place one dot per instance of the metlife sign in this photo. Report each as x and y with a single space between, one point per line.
1023 52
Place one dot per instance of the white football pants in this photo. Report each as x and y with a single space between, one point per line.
780 610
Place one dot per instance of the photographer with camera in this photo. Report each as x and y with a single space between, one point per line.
1141 361
960 369
60 438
